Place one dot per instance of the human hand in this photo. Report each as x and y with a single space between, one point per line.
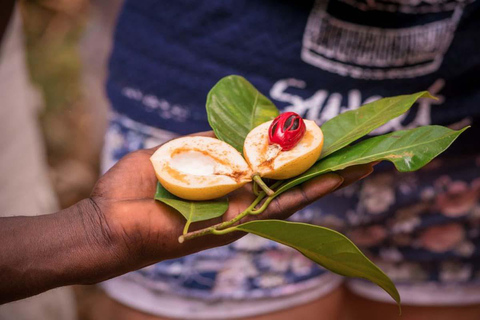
121 228
146 231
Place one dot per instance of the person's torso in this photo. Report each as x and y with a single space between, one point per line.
317 58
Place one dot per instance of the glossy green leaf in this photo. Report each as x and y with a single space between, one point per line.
408 150
235 107
351 125
329 248
193 211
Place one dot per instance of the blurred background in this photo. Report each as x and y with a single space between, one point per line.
67 43
72 109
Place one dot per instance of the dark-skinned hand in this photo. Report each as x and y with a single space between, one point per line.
121 228
150 229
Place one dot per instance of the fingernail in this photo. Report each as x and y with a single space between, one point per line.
340 182
370 170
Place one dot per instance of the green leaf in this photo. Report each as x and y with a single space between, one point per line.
193 211
351 125
235 107
408 150
326 247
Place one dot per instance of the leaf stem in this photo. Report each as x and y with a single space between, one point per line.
255 189
224 226
269 199
256 178
187 225
263 207
223 231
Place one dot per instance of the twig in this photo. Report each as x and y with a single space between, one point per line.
261 184
221 228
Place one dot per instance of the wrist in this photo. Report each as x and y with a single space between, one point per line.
96 252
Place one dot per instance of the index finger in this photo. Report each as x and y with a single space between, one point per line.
210 134
308 192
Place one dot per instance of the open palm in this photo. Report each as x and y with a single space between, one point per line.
149 230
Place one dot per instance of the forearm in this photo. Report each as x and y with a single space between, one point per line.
68 247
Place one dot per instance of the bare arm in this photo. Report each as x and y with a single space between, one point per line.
43 252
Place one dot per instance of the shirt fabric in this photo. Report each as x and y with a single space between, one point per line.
319 59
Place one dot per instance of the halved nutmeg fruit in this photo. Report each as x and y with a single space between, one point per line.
200 168
281 149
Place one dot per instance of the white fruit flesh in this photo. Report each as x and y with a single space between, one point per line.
200 168
270 162
193 162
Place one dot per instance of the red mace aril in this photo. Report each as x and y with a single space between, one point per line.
286 130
